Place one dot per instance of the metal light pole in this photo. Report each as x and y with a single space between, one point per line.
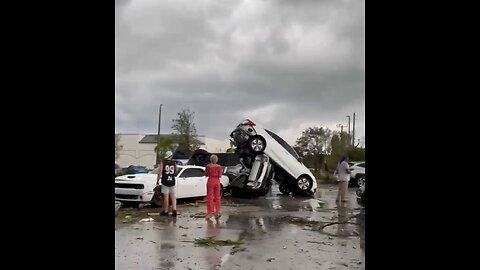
158 134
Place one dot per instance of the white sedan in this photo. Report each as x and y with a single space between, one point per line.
139 188
290 172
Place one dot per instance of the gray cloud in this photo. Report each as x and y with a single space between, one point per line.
284 65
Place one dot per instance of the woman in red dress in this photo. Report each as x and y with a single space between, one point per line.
213 171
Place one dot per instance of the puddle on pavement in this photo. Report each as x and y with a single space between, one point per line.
279 225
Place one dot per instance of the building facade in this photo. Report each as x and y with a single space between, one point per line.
139 149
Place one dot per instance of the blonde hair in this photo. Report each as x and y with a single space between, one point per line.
214 159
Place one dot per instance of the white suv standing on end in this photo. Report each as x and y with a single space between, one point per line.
357 173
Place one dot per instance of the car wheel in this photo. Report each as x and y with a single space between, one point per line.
304 184
257 144
283 189
157 199
360 180
132 204
267 188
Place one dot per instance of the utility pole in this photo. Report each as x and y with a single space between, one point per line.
158 134
353 135
348 124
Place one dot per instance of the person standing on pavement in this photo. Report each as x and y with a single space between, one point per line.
166 171
213 171
343 176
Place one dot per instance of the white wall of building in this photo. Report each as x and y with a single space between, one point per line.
134 153
143 154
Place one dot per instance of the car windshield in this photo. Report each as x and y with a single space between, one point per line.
283 143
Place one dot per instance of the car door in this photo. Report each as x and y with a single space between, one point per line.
201 182
188 183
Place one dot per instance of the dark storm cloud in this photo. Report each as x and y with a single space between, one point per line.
284 65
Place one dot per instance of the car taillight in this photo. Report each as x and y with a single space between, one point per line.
250 123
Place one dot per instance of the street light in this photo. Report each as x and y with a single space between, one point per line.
341 127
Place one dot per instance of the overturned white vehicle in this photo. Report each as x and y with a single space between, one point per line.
265 156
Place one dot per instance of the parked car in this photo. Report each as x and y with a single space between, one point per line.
139 188
180 161
136 169
357 173
361 195
252 141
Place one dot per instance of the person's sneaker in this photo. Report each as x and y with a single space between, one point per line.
164 213
174 213
207 217
218 215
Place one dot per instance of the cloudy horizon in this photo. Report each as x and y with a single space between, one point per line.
287 66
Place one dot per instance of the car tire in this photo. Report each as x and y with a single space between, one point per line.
304 185
267 188
132 204
157 199
257 144
359 180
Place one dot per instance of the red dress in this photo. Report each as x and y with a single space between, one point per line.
213 172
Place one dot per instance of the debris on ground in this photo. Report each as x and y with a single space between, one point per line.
181 227
139 238
210 242
322 243
146 220
198 215
236 249
270 259
299 221
153 214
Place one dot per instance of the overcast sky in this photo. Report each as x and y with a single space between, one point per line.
285 64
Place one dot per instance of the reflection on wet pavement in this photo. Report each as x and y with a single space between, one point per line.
279 232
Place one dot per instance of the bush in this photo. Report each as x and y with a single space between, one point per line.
355 154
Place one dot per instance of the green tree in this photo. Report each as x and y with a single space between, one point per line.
355 153
340 145
118 147
184 128
167 143
313 143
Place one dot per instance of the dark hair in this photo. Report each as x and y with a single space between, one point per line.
344 158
